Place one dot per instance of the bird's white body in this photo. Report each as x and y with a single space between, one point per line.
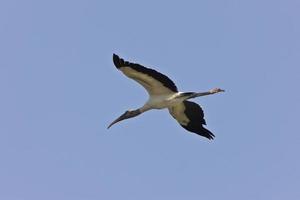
163 101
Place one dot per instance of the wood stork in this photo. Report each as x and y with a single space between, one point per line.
163 93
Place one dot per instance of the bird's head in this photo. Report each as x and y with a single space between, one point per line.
126 115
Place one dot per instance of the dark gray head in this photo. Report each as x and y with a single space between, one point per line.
128 114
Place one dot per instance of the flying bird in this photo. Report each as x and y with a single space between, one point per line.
163 93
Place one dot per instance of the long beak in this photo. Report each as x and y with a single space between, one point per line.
122 117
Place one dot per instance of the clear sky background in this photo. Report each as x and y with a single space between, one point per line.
59 91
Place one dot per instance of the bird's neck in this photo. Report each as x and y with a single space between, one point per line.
134 113
145 108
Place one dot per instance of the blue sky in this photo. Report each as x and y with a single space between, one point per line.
60 90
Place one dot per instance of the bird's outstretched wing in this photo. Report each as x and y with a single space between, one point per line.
154 82
191 117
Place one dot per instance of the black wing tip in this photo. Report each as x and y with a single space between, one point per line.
115 56
206 133
118 62
210 137
199 131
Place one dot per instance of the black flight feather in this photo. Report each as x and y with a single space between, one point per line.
196 120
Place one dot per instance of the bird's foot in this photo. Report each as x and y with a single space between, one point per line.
216 90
